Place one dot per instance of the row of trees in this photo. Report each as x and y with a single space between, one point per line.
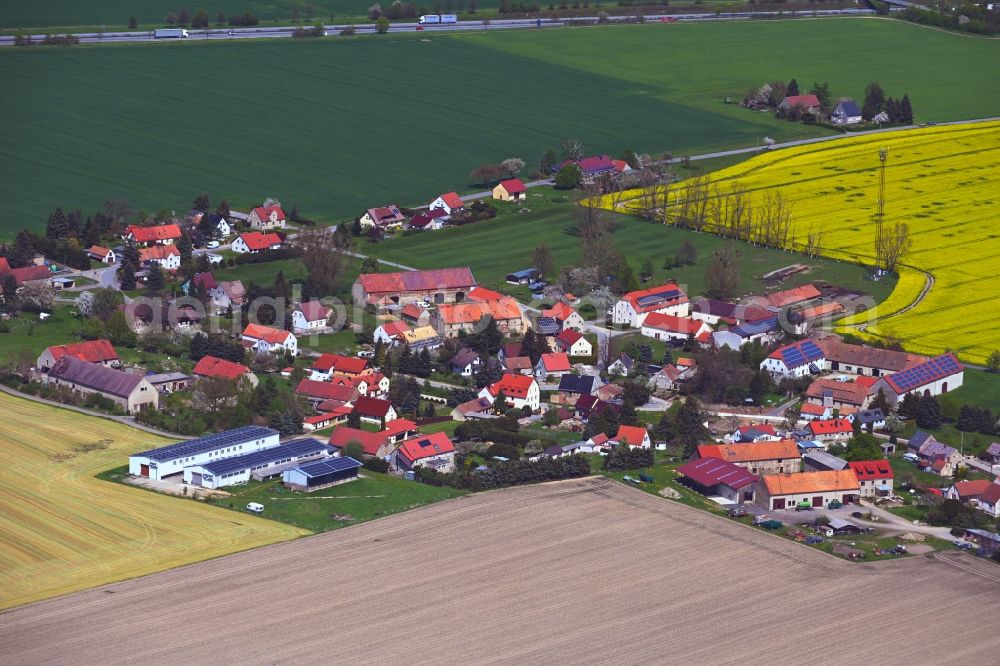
200 19
879 108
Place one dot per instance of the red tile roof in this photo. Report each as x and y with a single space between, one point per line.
441 278
813 409
631 435
822 310
569 337
95 250
270 335
710 472
204 280
370 442
384 215
765 428
314 311
830 426
560 311
870 470
804 101
851 393
349 365
872 357
596 164
971 489
513 185
158 252
153 234
517 363
469 313
395 328
264 212
426 446
672 324
30 274
372 407
92 351
512 386
255 240
210 366
4 266
452 200
811 482
670 294
556 362
326 391
482 295
783 449
780 299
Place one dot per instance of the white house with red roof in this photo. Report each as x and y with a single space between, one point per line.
875 477
573 343
568 318
830 430
635 306
167 256
391 332
374 410
552 366
99 352
518 391
434 451
511 189
635 437
211 367
328 365
267 340
932 377
102 254
164 234
811 411
266 218
665 327
449 202
310 316
383 217
252 242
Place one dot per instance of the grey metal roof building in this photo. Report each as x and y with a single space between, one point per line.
173 458
258 465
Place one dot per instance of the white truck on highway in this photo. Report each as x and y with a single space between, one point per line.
434 19
165 33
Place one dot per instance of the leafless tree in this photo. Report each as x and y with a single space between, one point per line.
774 221
214 394
323 258
513 165
896 242
37 294
814 244
572 149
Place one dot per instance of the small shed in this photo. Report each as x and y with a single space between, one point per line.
321 474
837 526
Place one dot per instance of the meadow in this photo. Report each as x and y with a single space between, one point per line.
941 181
341 124
505 244
63 530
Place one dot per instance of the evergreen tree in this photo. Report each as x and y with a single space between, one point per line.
56 227
185 248
378 356
874 101
664 429
74 223
131 255
881 402
533 345
908 406
611 422
91 234
690 425
387 367
406 360
905 111
489 339
23 251
548 162
127 276
222 210
119 332
928 413
281 287
628 415
425 365
354 420
792 89
596 424
201 203
155 281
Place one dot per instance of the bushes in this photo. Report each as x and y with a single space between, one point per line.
623 457
375 465
513 473
267 255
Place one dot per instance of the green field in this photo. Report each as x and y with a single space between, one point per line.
505 244
338 125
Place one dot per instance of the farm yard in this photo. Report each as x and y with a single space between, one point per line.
62 529
79 125
941 181
662 571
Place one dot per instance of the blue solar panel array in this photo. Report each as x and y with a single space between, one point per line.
925 373
218 440
756 328
275 455
800 353
665 295
328 465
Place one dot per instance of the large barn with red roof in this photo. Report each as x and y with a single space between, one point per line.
441 285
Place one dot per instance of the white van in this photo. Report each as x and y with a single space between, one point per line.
255 507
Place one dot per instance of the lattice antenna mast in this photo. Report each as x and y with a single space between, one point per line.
883 155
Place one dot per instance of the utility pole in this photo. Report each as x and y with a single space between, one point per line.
883 155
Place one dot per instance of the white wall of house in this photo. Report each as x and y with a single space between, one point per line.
300 323
160 469
624 314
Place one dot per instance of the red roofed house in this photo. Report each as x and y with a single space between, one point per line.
380 444
760 457
391 332
164 234
552 366
323 392
415 315
211 367
518 391
595 165
793 296
933 377
449 202
567 317
443 285
668 327
803 103
253 242
714 477
374 410
837 395
435 451
450 318
830 430
328 365
510 190
483 295
267 340
635 437
100 352
810 411
635 306
383 217
573 343
266 218
102 254
310 316
167 256
875 477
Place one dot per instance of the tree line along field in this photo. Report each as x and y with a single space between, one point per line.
341 124
62 529
494 248
941 182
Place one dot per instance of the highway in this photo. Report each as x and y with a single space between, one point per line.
231 33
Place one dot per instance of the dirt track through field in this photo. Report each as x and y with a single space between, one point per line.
584 571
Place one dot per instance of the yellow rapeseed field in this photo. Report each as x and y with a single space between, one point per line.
62 530
941 181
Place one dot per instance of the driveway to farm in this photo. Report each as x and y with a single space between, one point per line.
886 520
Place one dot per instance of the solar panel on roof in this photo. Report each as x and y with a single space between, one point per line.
664 295
287 451
208 443
328 465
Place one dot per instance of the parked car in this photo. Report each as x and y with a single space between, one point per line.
739 512
255 507
835 504
211 245
857 514
366 353
964 545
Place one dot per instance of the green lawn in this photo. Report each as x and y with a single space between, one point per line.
338 125
496 247
371 496
27 333
979 388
